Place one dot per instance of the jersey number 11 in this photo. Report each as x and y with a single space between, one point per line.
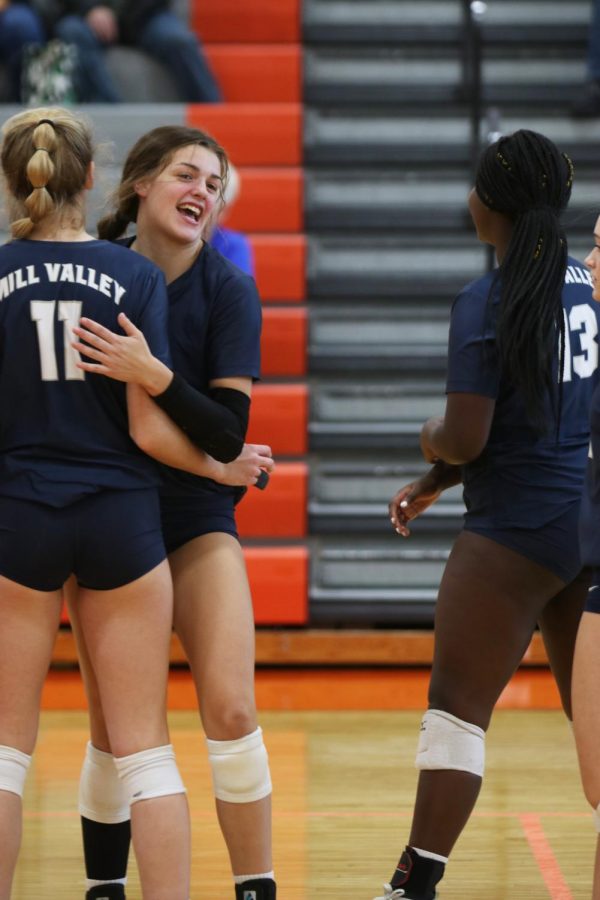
69 312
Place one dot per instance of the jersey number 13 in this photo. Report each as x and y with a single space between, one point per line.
581 320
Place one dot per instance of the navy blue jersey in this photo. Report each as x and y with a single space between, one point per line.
523 479
589 527
63 432
214 332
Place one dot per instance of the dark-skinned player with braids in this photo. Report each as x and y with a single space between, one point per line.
522 358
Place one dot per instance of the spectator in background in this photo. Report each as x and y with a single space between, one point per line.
587 106
20 26
232 244
150 25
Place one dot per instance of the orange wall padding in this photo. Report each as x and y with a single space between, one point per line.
283 343
279 582
249 21
280 262
253 134
269 200
257 73
279 417
281 509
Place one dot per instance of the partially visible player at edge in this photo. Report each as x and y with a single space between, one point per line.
522 365
172 185
586 668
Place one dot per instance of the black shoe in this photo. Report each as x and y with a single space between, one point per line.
588 104
416 876
106 892
256 889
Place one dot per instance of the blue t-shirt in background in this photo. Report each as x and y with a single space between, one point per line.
64 433
234 246
523 479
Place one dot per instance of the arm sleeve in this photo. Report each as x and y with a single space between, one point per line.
473 366
217 423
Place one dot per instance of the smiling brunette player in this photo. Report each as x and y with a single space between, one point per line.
172 186
522 365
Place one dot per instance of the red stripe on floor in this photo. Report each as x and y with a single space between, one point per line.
545 858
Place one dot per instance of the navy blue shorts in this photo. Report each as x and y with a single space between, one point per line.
555 546
592 603
186 518
106 539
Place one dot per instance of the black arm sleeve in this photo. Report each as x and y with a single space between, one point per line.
217 423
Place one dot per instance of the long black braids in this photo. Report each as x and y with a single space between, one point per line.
526 177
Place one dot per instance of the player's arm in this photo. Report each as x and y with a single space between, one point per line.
217 423
459 436
156 434
414 498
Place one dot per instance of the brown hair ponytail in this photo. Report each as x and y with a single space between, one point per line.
46 156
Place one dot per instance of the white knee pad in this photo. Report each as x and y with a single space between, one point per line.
13 770
240 768
150 773
446 742
102 796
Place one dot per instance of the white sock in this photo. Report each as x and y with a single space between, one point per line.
240 879
428 855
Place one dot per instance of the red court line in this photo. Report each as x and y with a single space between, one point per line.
545 858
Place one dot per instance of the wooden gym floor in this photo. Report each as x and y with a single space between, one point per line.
344 783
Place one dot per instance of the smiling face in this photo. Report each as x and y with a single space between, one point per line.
592 261
181 200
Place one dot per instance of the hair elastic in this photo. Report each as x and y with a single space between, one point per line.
45 122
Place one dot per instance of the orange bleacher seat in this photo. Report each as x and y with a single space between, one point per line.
269 200
281 509
253 21
279 583
279 417
253 134
280 261
283 343
257 73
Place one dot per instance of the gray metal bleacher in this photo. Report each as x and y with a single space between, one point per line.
388 169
